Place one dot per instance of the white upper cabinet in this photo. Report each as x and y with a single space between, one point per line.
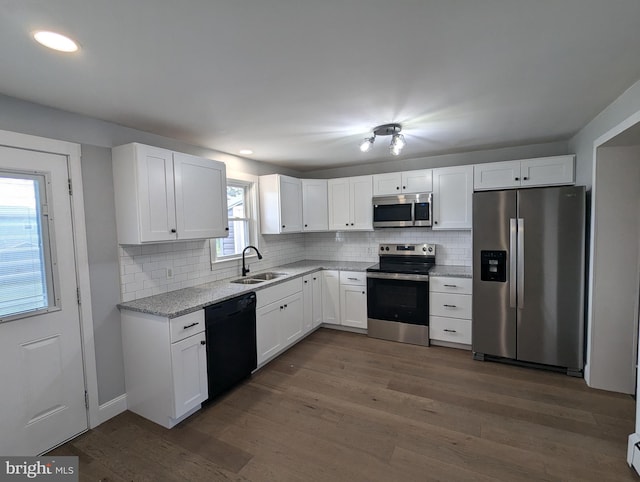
201 197
543 171
452 197
350 205
280 204
162 195
315 207
403 182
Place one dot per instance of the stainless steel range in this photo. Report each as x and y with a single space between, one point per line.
398 293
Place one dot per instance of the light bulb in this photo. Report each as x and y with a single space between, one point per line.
367 144
55 41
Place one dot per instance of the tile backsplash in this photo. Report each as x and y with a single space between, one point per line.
143 269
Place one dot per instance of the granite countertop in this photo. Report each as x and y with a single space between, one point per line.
180 302
453 271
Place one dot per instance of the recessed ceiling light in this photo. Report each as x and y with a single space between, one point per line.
55 41
246 152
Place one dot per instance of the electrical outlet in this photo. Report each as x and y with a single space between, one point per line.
169 273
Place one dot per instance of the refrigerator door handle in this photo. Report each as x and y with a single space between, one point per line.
520 279
513 233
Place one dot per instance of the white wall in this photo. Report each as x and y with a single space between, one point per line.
611 355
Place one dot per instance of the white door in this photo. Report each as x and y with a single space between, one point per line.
315 208
339 204
156 194
353 306
41 374
452 197
291 204
201 197
189 370
361 206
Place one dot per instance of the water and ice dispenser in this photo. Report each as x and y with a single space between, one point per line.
493 266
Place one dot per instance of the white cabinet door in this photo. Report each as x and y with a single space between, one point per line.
315 206
268 331
201 197
292 319
291 204
307 301
385 184
331 297
417 181
339 204
452 197
316 280
189 371
361 188
312 300
353 306
548 171
156 195
496 175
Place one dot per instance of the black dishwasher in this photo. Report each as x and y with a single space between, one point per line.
231 342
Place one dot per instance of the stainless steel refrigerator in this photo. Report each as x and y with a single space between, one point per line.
528 276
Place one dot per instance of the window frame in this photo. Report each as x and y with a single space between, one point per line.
44 210
251 212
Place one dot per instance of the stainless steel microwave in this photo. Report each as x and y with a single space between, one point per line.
402 211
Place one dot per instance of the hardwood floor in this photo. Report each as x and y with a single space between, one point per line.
341 406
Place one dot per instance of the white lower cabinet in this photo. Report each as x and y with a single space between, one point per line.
353 299
279 318
165 363
450 310
312 298
331 297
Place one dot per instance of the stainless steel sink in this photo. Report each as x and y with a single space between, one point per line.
258 278
248 281
266 276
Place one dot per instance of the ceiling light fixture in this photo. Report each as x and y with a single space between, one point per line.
55 41
397 139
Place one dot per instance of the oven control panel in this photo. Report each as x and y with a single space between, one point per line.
407 249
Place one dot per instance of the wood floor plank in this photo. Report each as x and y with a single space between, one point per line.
342 406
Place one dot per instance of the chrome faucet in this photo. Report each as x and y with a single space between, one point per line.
245 270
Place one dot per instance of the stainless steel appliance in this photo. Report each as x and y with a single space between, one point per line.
528 276
398 293
402 211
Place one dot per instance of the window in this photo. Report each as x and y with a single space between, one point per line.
26 275
242 232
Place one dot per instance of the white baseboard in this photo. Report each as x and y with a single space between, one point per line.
112 408
633 454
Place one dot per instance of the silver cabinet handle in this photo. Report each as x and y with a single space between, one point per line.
513 234
353 279
451 286
450 331
520 263
450 306
185 327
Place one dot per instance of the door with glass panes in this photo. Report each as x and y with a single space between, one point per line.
41 369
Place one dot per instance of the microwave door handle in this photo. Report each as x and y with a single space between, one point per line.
413 214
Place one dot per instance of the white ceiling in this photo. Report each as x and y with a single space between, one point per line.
302 82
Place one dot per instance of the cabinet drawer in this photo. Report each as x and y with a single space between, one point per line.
353 278
450 329
450 305
445 284
186 325
277 292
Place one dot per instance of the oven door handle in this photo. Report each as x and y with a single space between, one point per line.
399 276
